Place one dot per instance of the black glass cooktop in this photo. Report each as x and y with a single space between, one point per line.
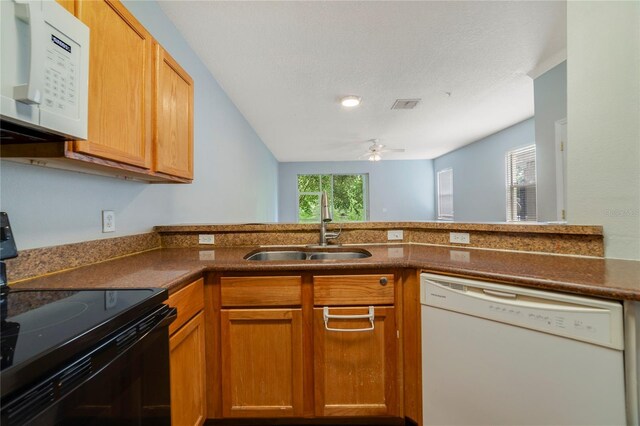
40 329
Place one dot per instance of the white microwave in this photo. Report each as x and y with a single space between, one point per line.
45 70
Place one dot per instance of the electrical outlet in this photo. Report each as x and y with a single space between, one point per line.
108 221
395 235
206 239
459 237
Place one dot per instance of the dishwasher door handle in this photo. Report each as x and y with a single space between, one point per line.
500 294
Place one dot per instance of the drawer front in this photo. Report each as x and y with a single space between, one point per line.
261 291
350 290
189 301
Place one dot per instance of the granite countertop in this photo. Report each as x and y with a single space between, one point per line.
173 268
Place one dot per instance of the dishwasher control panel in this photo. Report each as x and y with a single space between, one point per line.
580 318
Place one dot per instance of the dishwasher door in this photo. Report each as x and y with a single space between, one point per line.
501 355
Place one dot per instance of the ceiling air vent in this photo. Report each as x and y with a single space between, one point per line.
405 103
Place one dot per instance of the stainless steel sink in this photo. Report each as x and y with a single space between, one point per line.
339 255
277 255
330 254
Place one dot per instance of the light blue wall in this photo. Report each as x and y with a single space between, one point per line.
398 190
479 173
235 174
550 97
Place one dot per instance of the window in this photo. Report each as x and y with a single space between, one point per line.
521 184
347 194
445 194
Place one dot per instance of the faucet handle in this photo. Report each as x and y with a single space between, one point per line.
333 235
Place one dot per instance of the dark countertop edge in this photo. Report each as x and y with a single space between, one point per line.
502 227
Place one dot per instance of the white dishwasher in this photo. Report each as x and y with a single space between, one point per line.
501 355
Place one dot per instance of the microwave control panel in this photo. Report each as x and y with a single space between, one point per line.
61 74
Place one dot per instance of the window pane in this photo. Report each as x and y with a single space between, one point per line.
521 184
308 183
348 202
445 194
326 183
309 208
346 195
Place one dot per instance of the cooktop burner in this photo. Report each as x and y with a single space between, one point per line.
39 327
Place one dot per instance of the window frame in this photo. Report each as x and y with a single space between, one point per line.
365 194
446 215
512 216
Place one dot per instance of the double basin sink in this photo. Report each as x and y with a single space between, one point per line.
308 254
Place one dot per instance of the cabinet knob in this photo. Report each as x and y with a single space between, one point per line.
384 281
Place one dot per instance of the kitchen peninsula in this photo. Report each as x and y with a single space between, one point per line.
221 281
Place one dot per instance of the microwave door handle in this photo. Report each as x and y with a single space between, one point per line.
31 13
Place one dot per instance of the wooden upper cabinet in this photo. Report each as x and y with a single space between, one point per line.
70 5
173 117
120 85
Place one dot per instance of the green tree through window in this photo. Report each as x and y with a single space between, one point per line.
347 197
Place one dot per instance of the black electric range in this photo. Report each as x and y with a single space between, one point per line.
82 357
42 329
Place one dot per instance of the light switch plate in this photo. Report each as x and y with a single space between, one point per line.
108 221
206 239
459 237
395 235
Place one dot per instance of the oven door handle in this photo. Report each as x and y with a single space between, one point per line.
171 316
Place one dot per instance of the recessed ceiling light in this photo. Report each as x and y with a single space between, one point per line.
350 101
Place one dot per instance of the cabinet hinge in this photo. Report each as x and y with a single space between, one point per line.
561 146
564 215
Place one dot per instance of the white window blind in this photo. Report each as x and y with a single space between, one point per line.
445 194
521 184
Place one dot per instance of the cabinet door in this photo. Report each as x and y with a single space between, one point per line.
261 362
355 371
69 5
188 394
173 123
120 84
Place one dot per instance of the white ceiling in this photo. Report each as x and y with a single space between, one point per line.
285 64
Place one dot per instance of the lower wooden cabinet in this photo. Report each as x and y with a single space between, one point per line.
187 356
355 371
276 356
188 374
262 362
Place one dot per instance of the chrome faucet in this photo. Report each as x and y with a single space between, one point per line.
325 218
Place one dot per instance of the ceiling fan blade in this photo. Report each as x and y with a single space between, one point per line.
392 150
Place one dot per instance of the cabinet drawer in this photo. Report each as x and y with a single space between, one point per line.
343 290
189 301
261 291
